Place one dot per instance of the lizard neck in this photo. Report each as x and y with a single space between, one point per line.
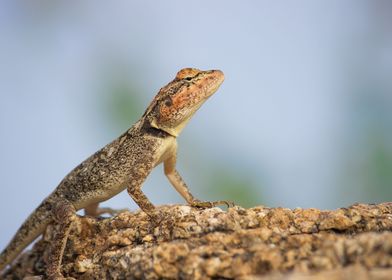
145 128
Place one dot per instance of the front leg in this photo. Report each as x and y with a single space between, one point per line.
179 184
134 189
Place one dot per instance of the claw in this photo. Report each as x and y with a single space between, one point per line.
210 204
156 217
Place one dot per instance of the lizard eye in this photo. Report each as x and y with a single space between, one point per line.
168 102
188 78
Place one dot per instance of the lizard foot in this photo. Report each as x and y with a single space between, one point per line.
156 217
210 204
95 211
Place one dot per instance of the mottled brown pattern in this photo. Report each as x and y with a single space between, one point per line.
122 164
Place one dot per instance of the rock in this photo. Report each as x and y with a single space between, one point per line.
256 243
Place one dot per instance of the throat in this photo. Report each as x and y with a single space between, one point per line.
157 132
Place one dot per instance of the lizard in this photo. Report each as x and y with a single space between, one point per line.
122 164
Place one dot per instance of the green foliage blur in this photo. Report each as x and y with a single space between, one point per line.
227 184
367 172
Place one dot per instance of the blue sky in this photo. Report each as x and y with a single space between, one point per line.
304 82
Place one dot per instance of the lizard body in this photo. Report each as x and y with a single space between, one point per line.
122 164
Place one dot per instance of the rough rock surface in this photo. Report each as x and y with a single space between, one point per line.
256 243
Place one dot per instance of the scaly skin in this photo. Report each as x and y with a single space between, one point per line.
122 164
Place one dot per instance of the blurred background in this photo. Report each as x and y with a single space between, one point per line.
303 119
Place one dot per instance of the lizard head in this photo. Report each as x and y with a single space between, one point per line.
175 104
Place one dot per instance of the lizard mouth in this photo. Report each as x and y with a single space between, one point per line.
219 77
215 79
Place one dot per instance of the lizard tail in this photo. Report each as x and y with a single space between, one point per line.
34 225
